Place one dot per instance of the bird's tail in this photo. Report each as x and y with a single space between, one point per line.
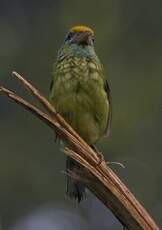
74 188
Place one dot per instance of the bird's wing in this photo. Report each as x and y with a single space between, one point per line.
109 118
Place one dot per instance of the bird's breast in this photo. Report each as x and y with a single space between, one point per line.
78 94
79 69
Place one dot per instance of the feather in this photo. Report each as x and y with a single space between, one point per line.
109 118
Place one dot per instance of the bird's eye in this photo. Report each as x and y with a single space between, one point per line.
69 36
93 40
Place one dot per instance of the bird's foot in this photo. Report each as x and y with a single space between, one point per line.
100 157
99 154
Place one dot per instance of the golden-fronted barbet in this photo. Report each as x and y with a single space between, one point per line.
81 94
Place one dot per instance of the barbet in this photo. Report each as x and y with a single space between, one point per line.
81 94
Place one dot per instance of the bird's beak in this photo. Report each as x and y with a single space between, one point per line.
83 38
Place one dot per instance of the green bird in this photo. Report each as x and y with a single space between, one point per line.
81 94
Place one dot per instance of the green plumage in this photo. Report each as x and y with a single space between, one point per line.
80 93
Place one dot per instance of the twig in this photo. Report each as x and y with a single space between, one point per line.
52 111
100 179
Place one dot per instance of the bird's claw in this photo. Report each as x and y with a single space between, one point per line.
101 158
99 154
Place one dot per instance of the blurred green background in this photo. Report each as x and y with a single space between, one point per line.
129 44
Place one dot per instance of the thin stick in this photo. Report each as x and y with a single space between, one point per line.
26 105
52 111
51 122
100 179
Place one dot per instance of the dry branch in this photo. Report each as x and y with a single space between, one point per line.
100 179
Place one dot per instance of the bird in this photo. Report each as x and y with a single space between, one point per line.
80 93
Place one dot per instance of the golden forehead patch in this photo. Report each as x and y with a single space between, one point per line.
81 28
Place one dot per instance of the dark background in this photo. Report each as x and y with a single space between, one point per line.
129 44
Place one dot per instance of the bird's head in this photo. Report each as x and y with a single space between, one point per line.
80 35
